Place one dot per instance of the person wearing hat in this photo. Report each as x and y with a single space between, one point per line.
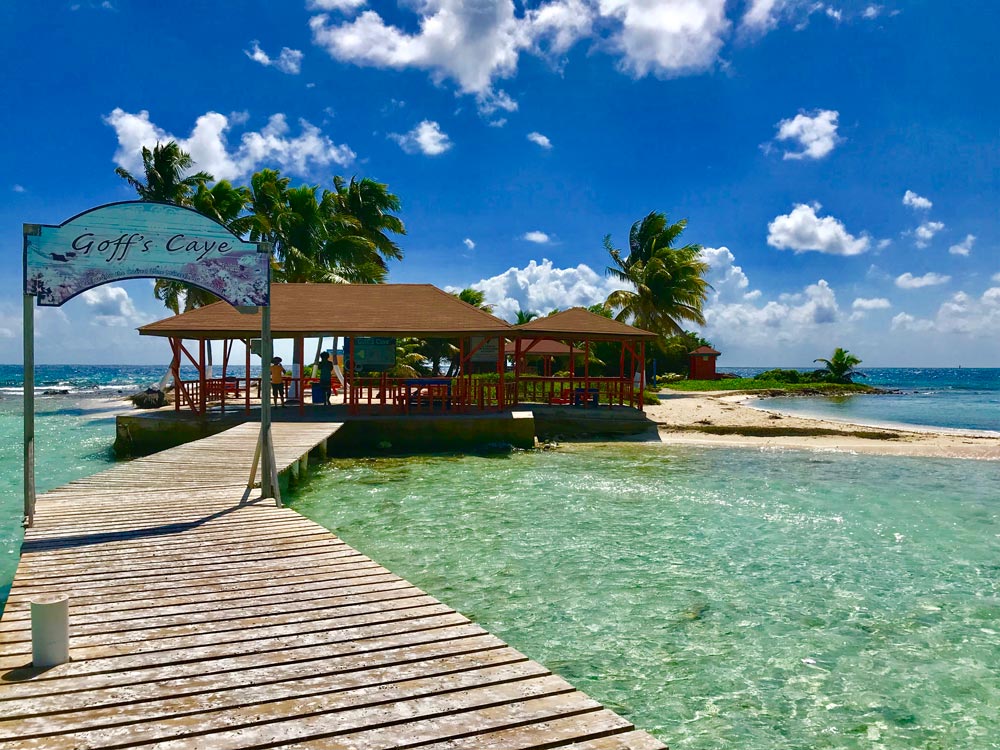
277 381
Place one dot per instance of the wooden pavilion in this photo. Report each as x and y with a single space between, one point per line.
363 311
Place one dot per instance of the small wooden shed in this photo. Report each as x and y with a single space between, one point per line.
701 363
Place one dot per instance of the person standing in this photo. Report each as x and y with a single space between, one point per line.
277 381
326 376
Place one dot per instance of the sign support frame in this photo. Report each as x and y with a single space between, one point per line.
29 410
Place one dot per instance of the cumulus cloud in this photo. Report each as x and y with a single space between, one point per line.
871 303
926 231
915 201
964 247
288 60
540 139
426 138
18 188
803 231
343 6
111 306
666 37
540 286
477 43
208 145
814 134
871 12
469 243
539 238
962 314
909 281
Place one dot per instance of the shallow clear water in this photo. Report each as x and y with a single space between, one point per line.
955 398
73 439
719 598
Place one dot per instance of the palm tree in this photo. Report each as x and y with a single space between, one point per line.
370 205
840 366
163 168
475 298
668 282
525 317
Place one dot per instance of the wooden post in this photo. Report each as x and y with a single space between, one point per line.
642 376
29 410
586 372
175 369
501 371
246 342
517 367
202 383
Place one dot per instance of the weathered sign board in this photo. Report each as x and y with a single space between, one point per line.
142 240
374 352
488 352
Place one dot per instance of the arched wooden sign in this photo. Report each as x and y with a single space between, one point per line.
142 240
136 240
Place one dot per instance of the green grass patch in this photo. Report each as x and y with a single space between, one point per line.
772 388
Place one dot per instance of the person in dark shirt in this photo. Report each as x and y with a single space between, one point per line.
325 376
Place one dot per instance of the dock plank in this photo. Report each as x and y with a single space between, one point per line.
203 616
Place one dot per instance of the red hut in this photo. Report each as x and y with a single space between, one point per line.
702 363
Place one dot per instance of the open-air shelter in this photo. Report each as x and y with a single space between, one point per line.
571 333
363 313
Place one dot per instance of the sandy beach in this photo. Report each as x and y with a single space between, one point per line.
728 420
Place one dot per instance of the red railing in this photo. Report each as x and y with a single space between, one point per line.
576 391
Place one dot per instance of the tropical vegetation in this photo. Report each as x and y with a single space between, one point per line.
665 281
840 368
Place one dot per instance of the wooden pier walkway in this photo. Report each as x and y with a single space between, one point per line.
202 618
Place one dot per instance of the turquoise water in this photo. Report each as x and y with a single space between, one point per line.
719 598
954 398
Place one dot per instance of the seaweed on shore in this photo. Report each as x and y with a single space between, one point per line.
766 431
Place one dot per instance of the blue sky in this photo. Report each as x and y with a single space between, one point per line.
839 160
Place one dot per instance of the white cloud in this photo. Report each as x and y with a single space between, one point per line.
803 231
667 37
539 238
883 244
964 247
540 286
344 6
469 243
871 303
926 231
909 281
18 188
815 133
209 147
918 202
995 277
111 306
288 61
872 11
962 314
540 139
426 138
729 282
476 43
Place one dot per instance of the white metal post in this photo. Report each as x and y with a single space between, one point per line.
29 410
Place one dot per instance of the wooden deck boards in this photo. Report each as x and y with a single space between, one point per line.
203 617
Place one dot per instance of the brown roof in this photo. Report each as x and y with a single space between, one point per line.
705 350
579 323
339 309
547 348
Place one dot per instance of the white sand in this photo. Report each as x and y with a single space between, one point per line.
681 411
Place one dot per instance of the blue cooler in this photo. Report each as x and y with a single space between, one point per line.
317 393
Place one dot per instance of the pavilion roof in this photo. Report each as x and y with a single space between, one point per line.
420 310
578 323
547 348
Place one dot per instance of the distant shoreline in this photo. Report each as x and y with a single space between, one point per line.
725 419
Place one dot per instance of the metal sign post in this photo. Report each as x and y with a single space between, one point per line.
29 410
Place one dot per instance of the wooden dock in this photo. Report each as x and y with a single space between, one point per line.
205 618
